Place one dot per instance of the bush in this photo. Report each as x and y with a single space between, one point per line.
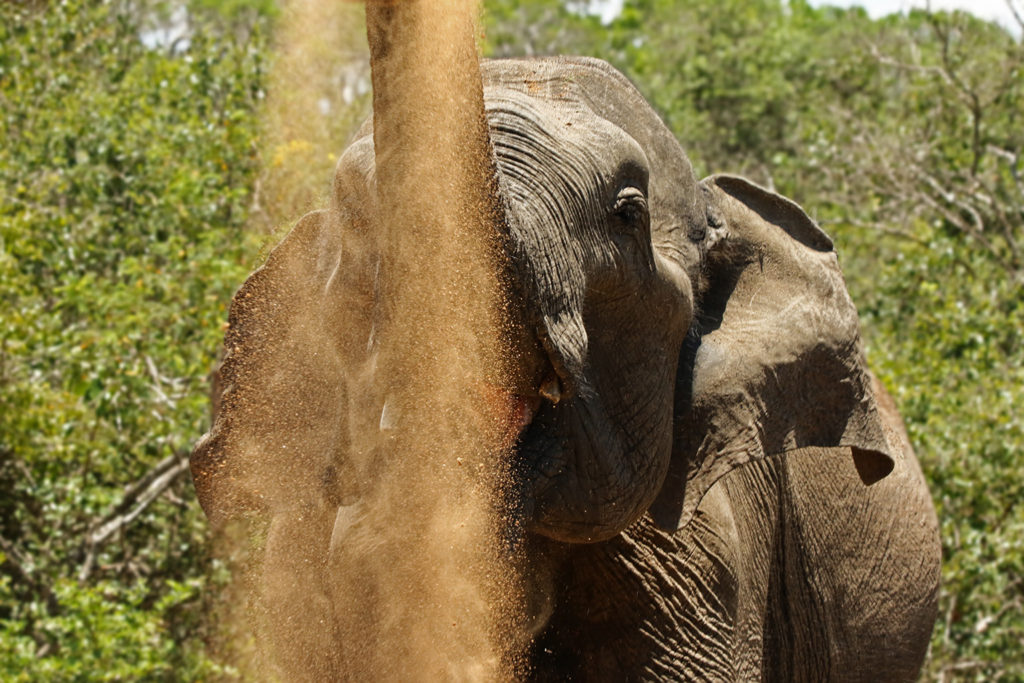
125 179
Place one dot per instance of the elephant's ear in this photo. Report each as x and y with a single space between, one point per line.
280 430
775 362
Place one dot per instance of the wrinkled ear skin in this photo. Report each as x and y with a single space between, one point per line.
774 361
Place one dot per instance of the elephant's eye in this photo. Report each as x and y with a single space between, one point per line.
631 207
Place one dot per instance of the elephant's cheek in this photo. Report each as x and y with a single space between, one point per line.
587 494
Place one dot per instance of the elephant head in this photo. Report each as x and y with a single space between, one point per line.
670 330
692 326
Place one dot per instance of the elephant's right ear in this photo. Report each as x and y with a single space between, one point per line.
273 379
775 362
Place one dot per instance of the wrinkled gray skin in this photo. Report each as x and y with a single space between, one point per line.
711 498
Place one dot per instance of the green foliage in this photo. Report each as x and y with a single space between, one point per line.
950 344
539 27
107 631
125 176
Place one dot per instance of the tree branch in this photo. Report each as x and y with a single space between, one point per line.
137 498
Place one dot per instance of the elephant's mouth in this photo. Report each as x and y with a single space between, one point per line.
515 409
540 378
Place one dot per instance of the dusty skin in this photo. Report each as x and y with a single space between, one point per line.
394 573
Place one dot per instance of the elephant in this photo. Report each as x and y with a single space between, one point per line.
708 480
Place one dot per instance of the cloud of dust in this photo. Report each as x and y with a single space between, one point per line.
317 94
377 417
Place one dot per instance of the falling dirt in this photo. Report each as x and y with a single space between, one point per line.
372 408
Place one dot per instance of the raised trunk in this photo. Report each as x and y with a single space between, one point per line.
415 562
430 129
445 239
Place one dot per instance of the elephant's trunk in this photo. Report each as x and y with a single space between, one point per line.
418 550
433 154
444 234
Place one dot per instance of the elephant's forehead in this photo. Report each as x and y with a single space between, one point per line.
569 120
543 86
557 78
592 90
553 86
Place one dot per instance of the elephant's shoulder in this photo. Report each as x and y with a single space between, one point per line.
831 566
864 559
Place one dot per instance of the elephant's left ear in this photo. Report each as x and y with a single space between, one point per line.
777 362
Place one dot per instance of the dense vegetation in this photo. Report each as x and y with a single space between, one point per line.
137 184
125 180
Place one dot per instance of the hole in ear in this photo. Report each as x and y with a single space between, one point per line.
872 466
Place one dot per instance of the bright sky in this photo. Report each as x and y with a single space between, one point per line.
996 10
